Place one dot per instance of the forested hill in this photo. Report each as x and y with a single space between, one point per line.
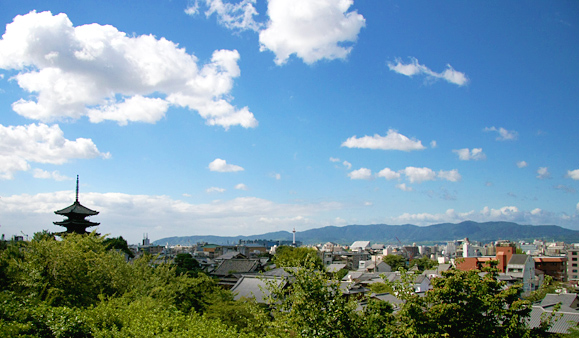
388 234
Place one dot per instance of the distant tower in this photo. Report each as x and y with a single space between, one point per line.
294 243
76 214
146 240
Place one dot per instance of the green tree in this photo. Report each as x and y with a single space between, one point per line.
462 304
307 304
118 243
185 263
395 261
288 256
423 263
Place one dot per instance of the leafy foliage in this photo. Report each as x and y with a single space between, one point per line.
288 256
423 263
395 261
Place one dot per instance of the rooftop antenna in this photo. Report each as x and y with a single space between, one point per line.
77 188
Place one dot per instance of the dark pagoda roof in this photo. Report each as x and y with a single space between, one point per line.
76 208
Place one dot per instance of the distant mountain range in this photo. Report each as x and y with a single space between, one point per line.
407 234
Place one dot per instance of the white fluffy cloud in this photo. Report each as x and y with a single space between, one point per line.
543 173
504 135
241 186
100 72
418 175
466 154
40 143
220 165
361 174
573 174
415 68
522 164
389 174
311 29
392 141
450 175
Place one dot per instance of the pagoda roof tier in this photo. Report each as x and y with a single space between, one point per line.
76 208
79 223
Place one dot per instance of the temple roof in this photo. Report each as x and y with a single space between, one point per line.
76 208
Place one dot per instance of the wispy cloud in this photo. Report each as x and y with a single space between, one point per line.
522 164
543 173
236 16
415 68
504 135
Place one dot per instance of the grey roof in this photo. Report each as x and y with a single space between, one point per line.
230 266
76 208
230 255
254 287
564 319
335 267
349 288
518 259
360 244
279 272
566 299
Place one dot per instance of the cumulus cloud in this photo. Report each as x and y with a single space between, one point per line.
361 174
419 175
433 144
415 68
522 164
221 166
389 174
392 141
450 175
40 143
543 173
504 135
346 164
573 174
100 72
311 29
466 154
241 186
235 16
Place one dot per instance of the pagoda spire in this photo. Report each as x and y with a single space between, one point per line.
77 188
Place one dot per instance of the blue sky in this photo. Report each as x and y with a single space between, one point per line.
244 117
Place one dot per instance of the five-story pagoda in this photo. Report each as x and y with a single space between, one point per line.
76 214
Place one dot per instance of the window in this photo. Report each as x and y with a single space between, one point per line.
574 259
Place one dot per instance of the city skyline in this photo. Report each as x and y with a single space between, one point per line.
230 118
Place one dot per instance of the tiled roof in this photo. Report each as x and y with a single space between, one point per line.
518 259
562 321
565 299
76 208
254 287
230 266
